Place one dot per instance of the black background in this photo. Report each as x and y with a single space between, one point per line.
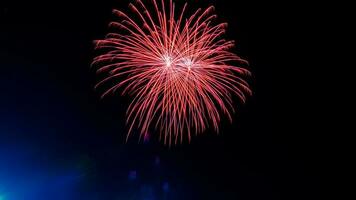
49 107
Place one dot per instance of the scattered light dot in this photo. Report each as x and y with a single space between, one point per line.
165 186
157 160
132 175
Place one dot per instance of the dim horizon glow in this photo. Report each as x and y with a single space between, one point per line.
178 69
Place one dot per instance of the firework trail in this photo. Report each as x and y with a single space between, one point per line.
178 69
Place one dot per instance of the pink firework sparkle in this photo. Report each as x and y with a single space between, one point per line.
178 69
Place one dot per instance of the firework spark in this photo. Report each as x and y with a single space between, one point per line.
178 69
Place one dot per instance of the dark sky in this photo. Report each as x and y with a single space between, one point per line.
59 140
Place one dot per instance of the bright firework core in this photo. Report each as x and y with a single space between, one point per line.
170 63
167 60
177 69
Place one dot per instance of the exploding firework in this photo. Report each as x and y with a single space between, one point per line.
177 69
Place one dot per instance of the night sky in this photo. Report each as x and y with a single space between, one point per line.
59 140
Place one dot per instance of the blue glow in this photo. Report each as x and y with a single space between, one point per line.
24 176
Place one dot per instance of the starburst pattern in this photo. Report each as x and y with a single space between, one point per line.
178 69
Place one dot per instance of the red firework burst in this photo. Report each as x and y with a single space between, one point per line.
177 69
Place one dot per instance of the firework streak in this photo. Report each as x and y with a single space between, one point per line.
178 69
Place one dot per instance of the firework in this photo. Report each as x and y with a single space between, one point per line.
177 69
